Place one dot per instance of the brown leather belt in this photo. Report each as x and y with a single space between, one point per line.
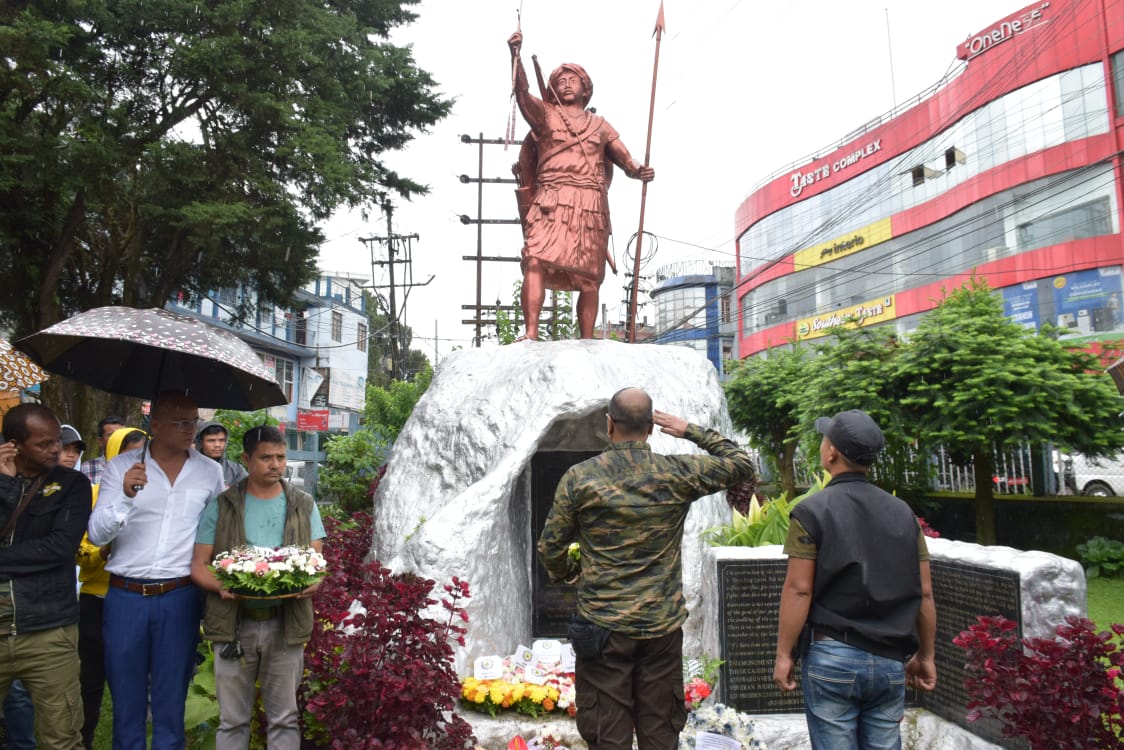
148 588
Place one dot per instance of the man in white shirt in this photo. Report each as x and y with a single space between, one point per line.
148 508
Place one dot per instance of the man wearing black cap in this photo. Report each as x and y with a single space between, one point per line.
858 588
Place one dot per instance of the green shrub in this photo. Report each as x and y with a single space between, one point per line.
762 524
237 423
1102 557
353 463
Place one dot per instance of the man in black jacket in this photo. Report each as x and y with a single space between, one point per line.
43 512
858 575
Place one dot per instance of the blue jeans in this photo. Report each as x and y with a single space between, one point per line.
852 698
150 641
19 718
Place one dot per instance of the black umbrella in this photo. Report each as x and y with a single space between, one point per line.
142 353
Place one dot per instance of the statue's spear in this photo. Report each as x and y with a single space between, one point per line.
644 186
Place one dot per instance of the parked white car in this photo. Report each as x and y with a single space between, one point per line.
1098 478
295 472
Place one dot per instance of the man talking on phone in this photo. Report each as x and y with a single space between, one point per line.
148 507
43 512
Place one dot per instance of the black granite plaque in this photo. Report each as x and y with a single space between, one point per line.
962 593
552 603
749 595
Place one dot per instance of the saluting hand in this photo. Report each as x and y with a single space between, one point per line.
670 424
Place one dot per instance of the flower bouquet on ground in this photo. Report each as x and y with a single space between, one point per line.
699 678
721 720
513 693
267 573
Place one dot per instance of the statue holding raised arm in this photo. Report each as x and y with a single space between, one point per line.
564 171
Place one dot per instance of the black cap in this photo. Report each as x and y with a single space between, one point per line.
854 434
68 436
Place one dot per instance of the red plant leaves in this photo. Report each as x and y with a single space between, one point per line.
380 671
1057 693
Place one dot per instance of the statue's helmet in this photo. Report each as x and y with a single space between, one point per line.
579 71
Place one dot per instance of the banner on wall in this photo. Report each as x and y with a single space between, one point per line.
1020 304
1088 302
312 420
840 247
863 314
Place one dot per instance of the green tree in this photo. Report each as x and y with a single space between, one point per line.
854 370
353 460
167 147
387 409
763 396
351 465
977 382
379 371
236 424
559 323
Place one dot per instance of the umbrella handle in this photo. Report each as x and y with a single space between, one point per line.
144 449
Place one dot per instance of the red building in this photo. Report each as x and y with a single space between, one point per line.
1011 168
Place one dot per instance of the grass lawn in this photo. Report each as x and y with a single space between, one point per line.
1106 601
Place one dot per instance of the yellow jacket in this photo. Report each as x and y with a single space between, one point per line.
91 565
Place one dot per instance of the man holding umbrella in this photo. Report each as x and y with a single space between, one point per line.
149 507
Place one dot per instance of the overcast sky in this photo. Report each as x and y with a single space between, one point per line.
745 89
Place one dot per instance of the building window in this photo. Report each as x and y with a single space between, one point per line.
361 338
1118 81
920 173
1090 219
283 372
724 303
337 326
952 157
300 334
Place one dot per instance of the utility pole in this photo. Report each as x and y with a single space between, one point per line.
478 308
478 320
392 241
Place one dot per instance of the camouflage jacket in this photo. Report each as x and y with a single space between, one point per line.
626 509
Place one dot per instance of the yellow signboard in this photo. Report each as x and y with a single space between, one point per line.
841 247
865 314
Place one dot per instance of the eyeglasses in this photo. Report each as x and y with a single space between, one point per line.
183 425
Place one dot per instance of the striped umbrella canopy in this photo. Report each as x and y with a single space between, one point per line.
16 370
144 352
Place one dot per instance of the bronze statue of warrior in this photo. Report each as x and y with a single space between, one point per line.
564 170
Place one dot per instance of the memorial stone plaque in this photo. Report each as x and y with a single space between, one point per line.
552 604
962 593
749 595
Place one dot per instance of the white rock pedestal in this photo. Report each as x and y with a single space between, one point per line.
456 496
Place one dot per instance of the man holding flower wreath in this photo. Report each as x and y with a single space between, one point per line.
257 639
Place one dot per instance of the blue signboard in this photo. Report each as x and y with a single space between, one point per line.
1020 304
1088 301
